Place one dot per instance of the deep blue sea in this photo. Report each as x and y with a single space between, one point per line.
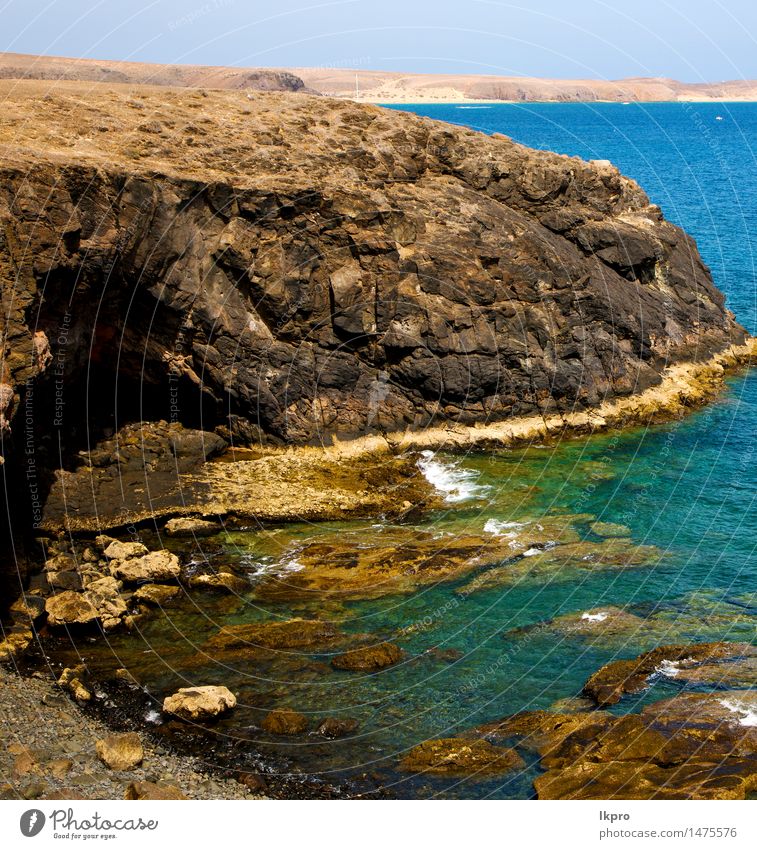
687 489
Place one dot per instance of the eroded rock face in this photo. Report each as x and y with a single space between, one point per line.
200 703
376 270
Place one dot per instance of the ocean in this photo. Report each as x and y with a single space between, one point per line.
476 654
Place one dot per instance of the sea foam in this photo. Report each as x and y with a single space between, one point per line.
455 483
747 716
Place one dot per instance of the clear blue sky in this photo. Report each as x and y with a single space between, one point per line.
692 40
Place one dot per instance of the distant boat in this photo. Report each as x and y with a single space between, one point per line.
718 117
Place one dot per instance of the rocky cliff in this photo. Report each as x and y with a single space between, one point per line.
291 268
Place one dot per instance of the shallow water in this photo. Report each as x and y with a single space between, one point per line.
687 488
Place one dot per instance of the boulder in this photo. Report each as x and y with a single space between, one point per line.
105 597
120 751
156 595
200 703
71 609
71 681
456 756
28 610
153 792
156 567
369 658
15 644
285 722
221 581
186 526
117 550
333 727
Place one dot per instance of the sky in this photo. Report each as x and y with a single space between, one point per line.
690 40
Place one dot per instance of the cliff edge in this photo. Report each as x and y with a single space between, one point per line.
289 268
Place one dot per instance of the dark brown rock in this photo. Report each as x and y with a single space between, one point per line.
283 635
355 252
333 727
369 658
285 722
614 680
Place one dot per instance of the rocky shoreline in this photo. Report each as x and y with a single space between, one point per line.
296 296
50 751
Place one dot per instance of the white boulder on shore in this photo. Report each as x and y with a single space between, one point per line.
199 703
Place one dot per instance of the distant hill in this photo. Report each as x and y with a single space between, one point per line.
23 66
388 87
371 86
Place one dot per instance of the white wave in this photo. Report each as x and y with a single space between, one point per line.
747 716
269 566
595 617
503 529
448 478
668 668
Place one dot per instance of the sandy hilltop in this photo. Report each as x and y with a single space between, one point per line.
396 87
375 86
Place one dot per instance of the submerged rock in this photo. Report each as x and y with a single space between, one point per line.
221 582
614 680
274 636
333 727
456 756
200 703
698 746
369 658
156 595
285 722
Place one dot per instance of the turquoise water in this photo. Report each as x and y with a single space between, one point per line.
687 489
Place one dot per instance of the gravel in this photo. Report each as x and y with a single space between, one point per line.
48 751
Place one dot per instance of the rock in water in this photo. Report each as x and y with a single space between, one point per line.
120 751
369 658
614 680
200 703
454 756
285 721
